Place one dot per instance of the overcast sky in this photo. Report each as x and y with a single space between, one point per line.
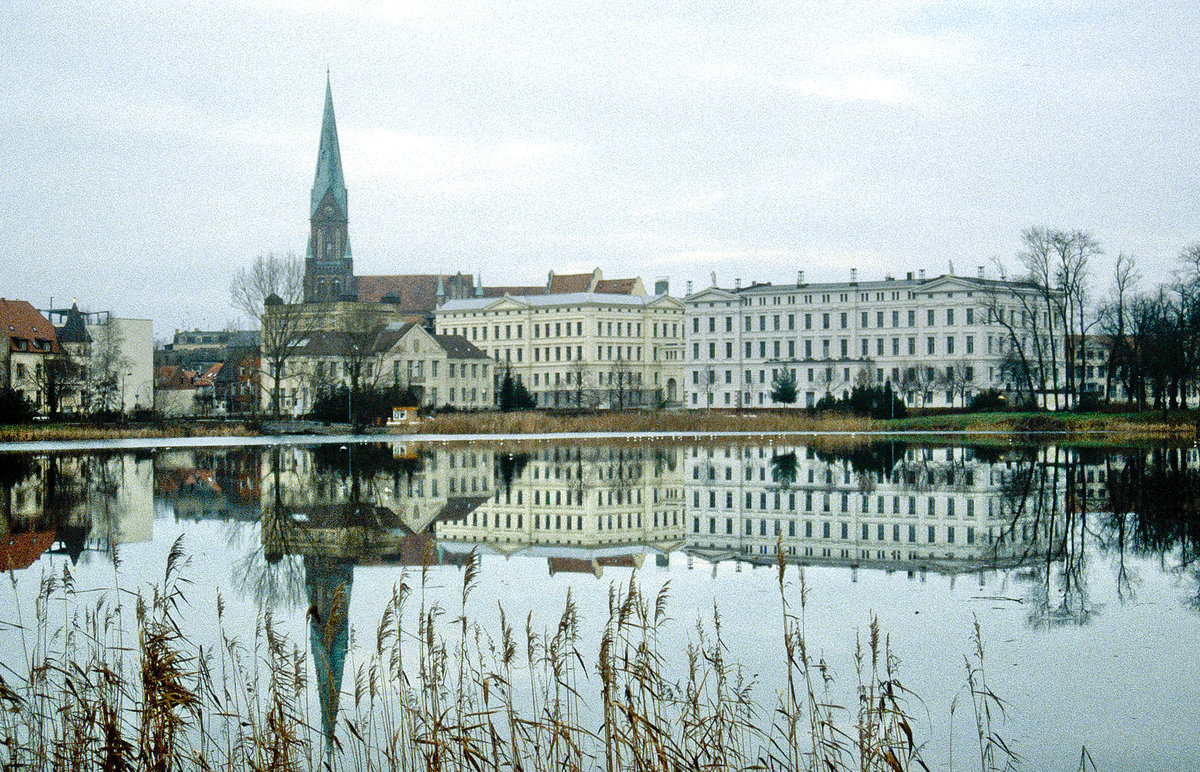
152 148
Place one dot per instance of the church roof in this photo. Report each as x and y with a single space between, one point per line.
329 160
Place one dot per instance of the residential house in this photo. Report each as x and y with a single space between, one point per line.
30 344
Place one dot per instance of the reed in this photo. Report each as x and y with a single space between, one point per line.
436 691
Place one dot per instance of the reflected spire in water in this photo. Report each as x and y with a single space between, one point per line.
329 582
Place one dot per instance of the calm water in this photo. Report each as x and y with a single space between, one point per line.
1079 564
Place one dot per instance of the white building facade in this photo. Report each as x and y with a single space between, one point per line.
579 349
936 341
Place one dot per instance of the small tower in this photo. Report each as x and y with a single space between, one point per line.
328 263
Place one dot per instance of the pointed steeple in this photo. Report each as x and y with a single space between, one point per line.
329 264
328 178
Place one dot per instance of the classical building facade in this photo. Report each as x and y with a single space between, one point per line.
578 349
441 370
937 341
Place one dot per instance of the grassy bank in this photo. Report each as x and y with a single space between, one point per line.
1117 427
1126 426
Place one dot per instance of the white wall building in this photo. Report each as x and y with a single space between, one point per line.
932 339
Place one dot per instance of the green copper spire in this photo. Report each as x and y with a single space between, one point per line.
329 160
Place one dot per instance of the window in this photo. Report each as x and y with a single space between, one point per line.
929 322
930 345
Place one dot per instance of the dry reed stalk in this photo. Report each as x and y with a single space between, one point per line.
460 707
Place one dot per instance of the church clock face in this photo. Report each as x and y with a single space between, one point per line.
328 209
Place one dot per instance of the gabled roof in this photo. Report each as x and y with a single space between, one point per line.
458 347
393 333
328 178
20 321
172 377
712 292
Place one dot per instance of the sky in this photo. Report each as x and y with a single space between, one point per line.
152 149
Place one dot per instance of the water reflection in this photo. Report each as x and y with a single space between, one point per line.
74 505
299 521
890 506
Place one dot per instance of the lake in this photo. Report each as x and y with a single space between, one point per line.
1078 564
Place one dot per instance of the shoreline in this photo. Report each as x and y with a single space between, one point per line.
986 428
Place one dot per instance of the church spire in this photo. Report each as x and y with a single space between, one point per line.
329 265
328 178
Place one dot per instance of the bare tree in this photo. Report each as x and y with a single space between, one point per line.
1017 307
1073 252
578 375
1114 323
361 358
270 291
106 370
959 380
60 378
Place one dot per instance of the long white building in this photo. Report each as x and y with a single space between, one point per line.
936 340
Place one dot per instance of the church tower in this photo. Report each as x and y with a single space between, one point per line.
328 263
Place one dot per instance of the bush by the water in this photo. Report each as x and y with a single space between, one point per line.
14 408
872 401
988 401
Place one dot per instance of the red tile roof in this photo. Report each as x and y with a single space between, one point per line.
173 377
21 550
616 286
417 292
20 321
570 282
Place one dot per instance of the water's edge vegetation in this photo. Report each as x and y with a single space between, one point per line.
451 695
1119 426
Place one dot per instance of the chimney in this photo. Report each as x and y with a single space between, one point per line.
921 274
981 271
737 283
799 278
908 276
662 286
689 288
854 276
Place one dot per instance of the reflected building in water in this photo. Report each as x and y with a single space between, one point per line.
580 507
74 505
210 484
885 506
